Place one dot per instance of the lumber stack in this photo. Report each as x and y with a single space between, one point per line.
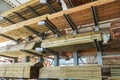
76 2
71 42
115 70
115 30
82 15
88 72
26 13
21 70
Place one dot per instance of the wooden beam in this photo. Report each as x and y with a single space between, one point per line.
81 15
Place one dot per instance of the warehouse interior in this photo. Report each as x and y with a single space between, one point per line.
59 39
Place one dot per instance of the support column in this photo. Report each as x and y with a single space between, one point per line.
99 53
76 59
56 60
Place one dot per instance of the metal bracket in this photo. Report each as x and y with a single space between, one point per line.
71 4
74 28
12 22
56 56
32 30
95 18
82 60
23 18
52 27
50 7
10 38
33 11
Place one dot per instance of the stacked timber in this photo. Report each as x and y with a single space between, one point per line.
71 42
76 2
21 70
28 10
115 70
88 72
115 30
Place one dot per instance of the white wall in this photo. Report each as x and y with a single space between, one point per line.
4 7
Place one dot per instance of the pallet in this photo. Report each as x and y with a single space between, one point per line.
88 72
23 10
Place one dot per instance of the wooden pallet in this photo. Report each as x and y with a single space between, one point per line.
90 72
23 10
71 43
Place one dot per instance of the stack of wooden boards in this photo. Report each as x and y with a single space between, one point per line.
79 16
75 3
28 10
88 72
71 42
115 70
115 34
20 70
115 30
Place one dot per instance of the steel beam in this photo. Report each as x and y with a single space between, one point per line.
74 28
12 22
56 56
8 57
23 18
76 59
52 27
71 4
32 30
82 60
50 7
10 38
32 53
99 52
95 18
56 60
33 11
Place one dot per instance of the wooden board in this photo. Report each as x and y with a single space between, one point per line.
41 9
66 43
17 31
14 51
81 15
20 70
72 72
